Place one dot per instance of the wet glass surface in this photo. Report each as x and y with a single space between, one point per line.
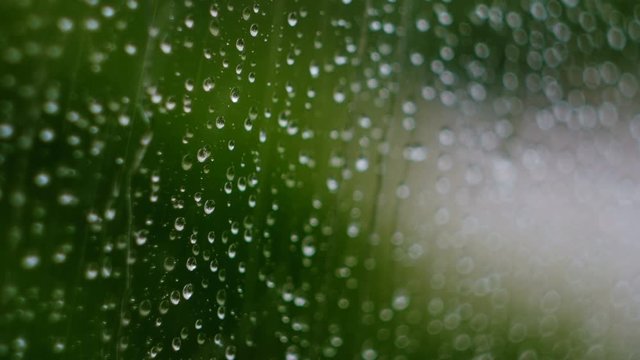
354 179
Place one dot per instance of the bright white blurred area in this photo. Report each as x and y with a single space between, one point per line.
545 217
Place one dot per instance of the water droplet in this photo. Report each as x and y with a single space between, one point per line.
230 352
308 246
209 206
616 38
292 19
141 237
191 263
253 30
240 45
42 179
187 291
169 264
65 24
176 343
362 164
144 308
234 95
30 261
6 131
179 223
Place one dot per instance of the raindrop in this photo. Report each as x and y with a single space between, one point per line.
187 291
292 19
209 206
234 95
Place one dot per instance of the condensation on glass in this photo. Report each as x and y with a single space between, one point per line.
400 179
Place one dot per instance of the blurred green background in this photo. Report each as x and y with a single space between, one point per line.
230 179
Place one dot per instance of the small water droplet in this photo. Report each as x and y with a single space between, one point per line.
292 19
187 291
234 95
30 261
179 223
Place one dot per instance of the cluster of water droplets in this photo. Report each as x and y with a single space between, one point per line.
316 179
